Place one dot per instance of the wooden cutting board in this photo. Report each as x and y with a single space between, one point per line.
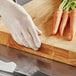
53 47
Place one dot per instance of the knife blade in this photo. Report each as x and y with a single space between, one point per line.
9 67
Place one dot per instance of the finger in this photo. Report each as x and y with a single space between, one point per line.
73 23
33 33
30 20
57 19
19 36
28 38
30 41
38 31
64 22
17 39
36 39
22 40
14 35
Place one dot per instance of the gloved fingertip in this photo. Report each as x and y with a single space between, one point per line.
40 32
38 45
35 49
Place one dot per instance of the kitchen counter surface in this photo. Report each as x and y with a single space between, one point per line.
31 63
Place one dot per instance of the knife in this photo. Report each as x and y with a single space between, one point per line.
10 67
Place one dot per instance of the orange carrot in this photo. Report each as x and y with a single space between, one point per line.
63 22
73 23
57 19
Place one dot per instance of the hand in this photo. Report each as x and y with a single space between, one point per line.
21 26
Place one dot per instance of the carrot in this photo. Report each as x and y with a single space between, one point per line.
57 16
64 22
73 23
57 19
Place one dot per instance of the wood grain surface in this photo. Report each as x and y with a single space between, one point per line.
53 47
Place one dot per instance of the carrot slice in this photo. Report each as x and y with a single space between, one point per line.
64 22
73 23
57 19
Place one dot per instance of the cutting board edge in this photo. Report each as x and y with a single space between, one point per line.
53 55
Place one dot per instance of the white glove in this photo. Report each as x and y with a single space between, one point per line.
20 24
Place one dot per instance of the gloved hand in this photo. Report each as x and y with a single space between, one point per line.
20 24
